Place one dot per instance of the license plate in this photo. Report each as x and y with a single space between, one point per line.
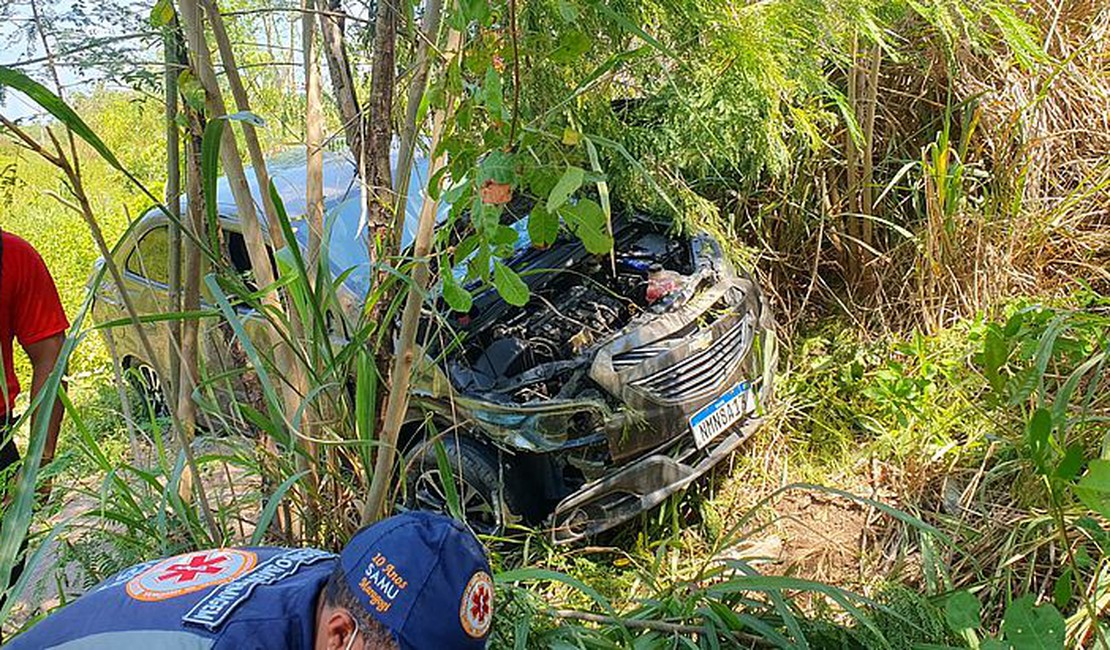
722 413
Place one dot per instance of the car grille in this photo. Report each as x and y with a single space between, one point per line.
638 355
700 373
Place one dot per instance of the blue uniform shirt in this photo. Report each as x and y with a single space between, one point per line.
243 598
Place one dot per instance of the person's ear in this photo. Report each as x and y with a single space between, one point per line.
339 627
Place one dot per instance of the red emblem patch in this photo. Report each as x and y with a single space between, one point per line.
476 609
183 574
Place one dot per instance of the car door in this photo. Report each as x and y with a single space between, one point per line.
225 355
146 281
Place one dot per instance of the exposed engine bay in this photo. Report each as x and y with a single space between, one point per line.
542 351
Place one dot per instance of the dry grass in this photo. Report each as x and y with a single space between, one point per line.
1020 206
1048 139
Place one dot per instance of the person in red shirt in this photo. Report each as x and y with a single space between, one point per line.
30 312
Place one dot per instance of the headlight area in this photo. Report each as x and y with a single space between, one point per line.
542 428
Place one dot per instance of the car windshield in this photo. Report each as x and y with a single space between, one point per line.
347 238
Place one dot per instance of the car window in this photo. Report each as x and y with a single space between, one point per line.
151 258
240 259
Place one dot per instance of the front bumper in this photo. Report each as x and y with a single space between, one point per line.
642 485
666 369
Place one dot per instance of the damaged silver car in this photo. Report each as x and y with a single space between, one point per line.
624 378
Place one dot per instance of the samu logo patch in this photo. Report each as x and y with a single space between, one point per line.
476 610
189 572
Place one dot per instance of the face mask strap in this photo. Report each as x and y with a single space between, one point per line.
351 641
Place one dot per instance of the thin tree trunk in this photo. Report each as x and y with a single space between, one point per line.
405 347
173 193
409 129
339 69
379 131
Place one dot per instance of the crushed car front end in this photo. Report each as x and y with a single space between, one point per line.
625 377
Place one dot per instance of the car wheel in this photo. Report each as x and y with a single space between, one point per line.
483 487
149 386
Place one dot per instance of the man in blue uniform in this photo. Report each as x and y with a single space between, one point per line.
417 580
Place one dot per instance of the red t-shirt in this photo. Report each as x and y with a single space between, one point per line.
30 309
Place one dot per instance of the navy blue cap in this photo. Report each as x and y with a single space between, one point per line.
425 577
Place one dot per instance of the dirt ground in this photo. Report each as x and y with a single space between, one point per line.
819 535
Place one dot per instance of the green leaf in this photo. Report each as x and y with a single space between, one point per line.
1033 628
447 481
270 509
465 248
632 27
543 575
543 227
995 354
567 11
1037 433
541 180
492 94
162 13
509 285
1094 488
1032 377
567 185
1062 590
961 610
504 236
477 10
1069 466
248 117
994 644
497 166
458 298
210 174
586 219
191 90
572 45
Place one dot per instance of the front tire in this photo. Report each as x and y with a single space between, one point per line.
483 486
148 385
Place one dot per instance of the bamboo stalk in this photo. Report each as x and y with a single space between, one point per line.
189 368
851 249
173 194
314 181
409 129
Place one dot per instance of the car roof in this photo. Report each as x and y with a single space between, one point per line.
287 173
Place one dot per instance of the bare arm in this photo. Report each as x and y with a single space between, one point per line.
44 355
